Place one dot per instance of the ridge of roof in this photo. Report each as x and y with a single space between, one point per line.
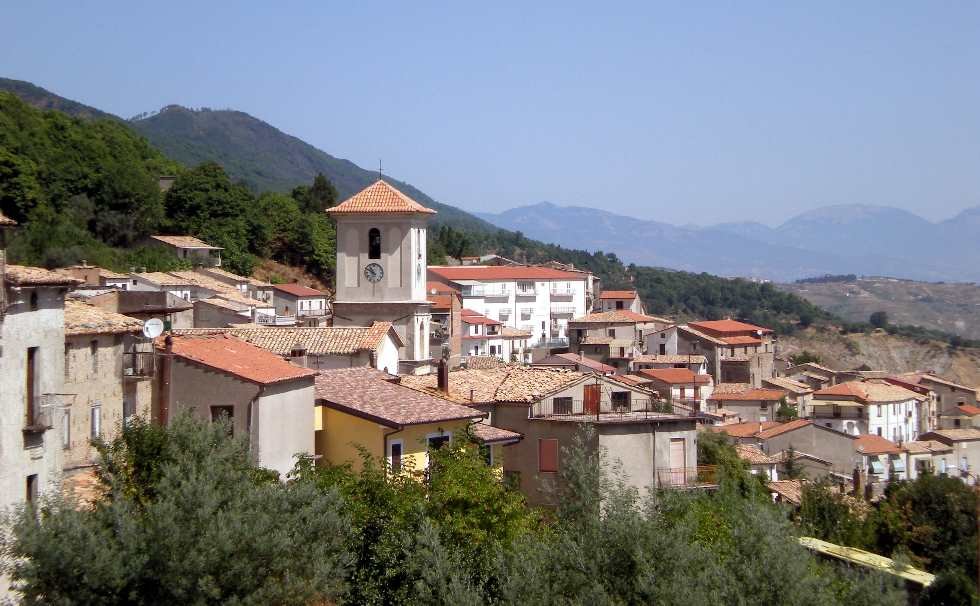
83 318
24 275
617 315
379 197
185 242
502 272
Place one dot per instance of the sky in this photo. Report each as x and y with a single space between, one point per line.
686 112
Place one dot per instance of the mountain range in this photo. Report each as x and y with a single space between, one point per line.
859 239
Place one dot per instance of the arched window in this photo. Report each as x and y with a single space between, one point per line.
374 243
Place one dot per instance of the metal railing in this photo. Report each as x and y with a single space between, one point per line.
562 310
271 320
138 364
496 291
311 312
526 291
561 291
687 477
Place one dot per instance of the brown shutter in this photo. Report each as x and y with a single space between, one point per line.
548 455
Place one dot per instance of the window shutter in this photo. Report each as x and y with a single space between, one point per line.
548 455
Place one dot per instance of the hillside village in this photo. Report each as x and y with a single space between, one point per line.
404 357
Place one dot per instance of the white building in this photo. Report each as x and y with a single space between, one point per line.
483 336
32 375
537 300
872 407
619 300
381 260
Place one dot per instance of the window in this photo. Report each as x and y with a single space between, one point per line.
879 430
663 349
486 451
561 406
32 488
619 304
93 349
547 455
66 429
95 420
437 441
731 351
611 332
879 410
621 400
374 243
30 403
33 300
67 360
622 352
395 450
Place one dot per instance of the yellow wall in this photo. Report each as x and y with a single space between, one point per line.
342 433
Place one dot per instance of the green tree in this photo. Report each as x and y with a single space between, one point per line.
803 357
198 525
786 411
878 319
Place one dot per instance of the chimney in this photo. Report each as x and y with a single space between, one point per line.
443 376
297 355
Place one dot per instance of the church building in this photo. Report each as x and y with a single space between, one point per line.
381 268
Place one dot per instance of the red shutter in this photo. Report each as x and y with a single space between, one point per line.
548 455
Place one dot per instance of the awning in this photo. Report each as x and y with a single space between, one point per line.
877 468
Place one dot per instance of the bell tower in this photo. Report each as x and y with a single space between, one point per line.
381 268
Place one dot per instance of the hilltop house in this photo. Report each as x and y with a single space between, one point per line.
92 275
736 352
32 338
307 305
619 300
951 398
191 249
749 405
612 337
265 398
550 408
322 347
107 380
869 407
533 299
482 336
364 410
929 456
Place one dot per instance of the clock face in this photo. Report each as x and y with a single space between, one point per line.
374 272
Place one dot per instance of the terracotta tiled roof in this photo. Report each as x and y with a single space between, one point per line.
369 394
469 316
6 221
742 340
754 455
441 302
21 275
926 447
790 491
919 377
235 357
675 376
379 197
222 303
789 385
814 366
969 410
162 278
873 390
439 288
217 271
84 319
488 434
700 335
502 272
507 383
745 430
298 290
749 395
185 242
617 294
634 380
872 444
221 289
782 428
953 435
618 315
670 359
327 340
730 387
727 326
568 359
508 332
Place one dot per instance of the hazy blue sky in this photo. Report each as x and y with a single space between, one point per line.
706 113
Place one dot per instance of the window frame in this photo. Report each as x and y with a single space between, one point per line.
541 442
401 455
95 420
374 243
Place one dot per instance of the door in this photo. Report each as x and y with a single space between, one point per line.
678 448
592 399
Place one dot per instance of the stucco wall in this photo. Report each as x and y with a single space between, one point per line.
282 425
814 440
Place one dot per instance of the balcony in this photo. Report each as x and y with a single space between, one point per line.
702 476
609 410
561 292
496 291
311 312
40 419
562 310
526 290
271 320
138 364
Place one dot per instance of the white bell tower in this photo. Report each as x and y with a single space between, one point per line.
382 268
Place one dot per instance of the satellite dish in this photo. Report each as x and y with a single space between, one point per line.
153 328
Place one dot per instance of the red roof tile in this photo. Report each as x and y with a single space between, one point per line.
433 287
441 302
749 395
237 358
745 430
967 409
873 390
487 434
298 290
471 317
618 315
502 272
379 197
742 340
781 428
675 376
617 294
872 444
723 326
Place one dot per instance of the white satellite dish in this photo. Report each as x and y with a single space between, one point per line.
153 328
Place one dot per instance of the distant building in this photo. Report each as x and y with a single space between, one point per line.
307 305
736 352
190 249
250 287
173 311
612 337
577 362
482 336
812 374
445 328
680 385
951 398
964 460
619 300
697 364
265 398
873 407
92 275
751 405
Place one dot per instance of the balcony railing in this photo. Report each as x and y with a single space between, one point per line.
138 364
687 477
607 408
562 310
562 291
526 291
311 312
271 320
496 291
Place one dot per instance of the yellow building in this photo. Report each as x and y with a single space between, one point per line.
366 410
